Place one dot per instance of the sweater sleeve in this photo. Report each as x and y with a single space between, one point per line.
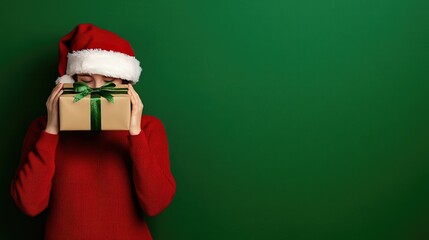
154 183
31 185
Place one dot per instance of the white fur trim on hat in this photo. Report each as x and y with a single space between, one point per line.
64 79
104 62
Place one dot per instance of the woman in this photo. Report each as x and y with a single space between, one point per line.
95 184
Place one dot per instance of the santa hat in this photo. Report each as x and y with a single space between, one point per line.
89 49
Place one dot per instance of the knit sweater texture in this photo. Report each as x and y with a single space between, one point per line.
94 184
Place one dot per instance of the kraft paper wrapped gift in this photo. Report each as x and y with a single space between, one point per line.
104 108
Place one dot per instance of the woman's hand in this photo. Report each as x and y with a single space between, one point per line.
136 111
52 126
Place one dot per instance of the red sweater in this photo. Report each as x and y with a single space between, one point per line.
95 185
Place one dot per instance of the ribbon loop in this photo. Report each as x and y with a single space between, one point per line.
83 90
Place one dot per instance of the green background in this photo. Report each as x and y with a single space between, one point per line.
286 119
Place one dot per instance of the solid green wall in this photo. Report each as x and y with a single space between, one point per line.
286 119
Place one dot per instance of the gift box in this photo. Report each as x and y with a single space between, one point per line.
94 109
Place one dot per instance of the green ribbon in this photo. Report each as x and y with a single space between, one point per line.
82 90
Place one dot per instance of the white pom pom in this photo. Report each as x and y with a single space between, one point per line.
65 79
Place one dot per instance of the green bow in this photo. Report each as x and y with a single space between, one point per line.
83 90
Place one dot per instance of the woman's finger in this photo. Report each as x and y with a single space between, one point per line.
55 94
56 90
137 97
59 85
132 95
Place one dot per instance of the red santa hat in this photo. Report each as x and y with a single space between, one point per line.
89 49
